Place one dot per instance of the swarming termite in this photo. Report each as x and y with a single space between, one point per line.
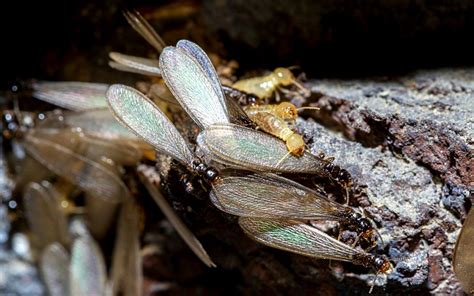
299 238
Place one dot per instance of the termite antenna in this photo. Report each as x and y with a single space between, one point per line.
294 67
308 108
373 282
283 158
305 91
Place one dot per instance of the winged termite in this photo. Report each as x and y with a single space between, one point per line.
299 238
265 86
463 261
54 266
45 215
87 273
272 196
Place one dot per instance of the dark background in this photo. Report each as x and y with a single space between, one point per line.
69 40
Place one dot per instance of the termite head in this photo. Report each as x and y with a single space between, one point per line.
283 76
379 263
382 265
286 111
295 144
209 174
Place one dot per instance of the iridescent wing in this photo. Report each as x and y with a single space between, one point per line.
136 111
87 274
271 196
296 237
44 214
463 262
245 148
143 27
88 175
54 266
134 64
192 85
188 237
75 96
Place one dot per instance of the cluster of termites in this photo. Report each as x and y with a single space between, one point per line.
245 146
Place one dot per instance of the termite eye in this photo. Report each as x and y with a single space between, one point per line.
285 77
200 168
364 224
379 263
210 175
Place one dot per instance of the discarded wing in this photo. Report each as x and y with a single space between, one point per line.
88 175
72 95
87 273
54 266
463 261
134 64
186 234
126 271
143 27
45 216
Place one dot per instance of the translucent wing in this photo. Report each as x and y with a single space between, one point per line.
90 147
100 123
88 175
136 111
296 237
177 223
45 216
100 214
134 64
242 147
126 272
76 96
54 266
191 85
271 196
463 261
143 27
87 275
201 57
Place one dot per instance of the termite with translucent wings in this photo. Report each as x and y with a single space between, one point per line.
73 145
137 112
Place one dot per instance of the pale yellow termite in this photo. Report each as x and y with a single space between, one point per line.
264 86
277 120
